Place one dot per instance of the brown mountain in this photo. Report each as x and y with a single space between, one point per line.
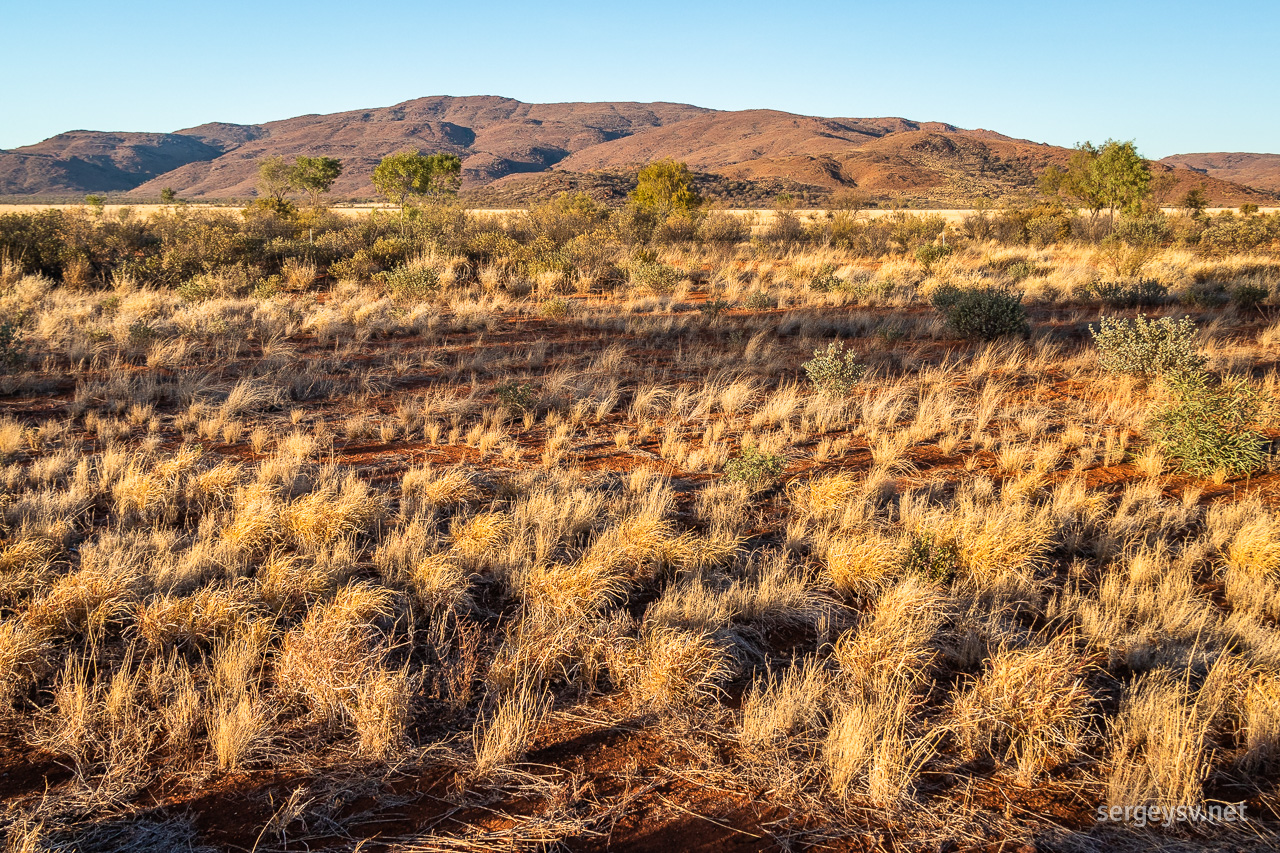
517 151
493 136
90 161
1255 170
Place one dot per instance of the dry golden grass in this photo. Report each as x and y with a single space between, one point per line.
1030 707
368 539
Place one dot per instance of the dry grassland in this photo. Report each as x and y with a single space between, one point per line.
336 566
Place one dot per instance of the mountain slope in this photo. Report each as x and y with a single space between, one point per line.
91 161
1255 170
493 136
518 150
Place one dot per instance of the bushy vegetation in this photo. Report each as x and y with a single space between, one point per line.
755 468
1210 425
1142 347
1133 293
11 349
834 371
982 314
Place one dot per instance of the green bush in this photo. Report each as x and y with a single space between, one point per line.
759 300
1249 296
1126 294
714 307
1143 347
834 371
517 395
11 344
1205 294
1207 426
825 280
930 253
412 282
982 314
866 287
936 558
655 275
755 468
554 309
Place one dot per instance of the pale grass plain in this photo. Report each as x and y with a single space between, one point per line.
314 536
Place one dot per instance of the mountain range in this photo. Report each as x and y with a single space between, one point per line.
513 152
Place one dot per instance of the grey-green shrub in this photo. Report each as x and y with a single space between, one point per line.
554 309
754 468
834 371
517 395
1142 347
416 282
1207 426
1126 294
982 313
11 346
655 275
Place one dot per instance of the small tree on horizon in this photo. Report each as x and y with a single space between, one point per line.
665 187
1112 177
275 178
314 176
408 173
1194 202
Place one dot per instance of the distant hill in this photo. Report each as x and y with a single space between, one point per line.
1256 170
513 152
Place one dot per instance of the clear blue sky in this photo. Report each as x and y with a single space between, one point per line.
1175 76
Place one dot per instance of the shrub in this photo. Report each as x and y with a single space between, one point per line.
655 275
759 300
1126 294
834 371
1249 296
982 314
825 280
865 287
1018 270
554 309
416 282
713 308
1143 347
1207 426
755 468
930 253
11 346
517 395
720 227
1205 294
936 558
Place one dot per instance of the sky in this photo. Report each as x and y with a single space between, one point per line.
1175 76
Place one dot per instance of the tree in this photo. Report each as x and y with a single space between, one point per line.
664 187
1114 177
275 178
410 173
314 176
1077 183
852 201
1122 177
168 196
1194 202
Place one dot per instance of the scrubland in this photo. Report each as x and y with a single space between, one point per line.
543 533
